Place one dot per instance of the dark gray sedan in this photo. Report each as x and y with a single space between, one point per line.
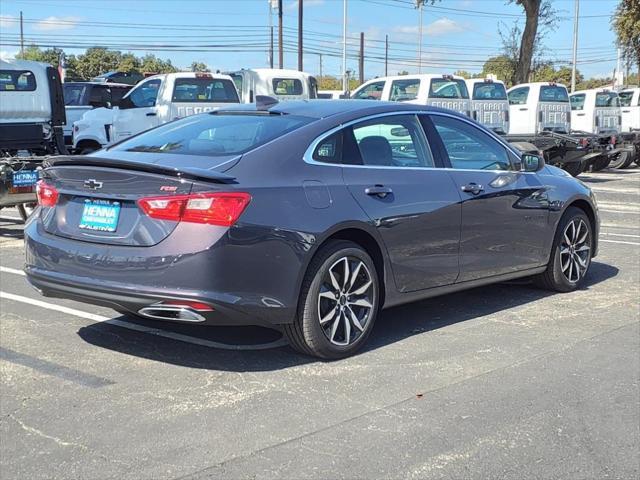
308 216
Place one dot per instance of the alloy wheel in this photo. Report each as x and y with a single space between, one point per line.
575 250
346 301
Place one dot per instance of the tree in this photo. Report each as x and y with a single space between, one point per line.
626 23
463 74
539 14
129 63
199 67
501 66
152 64
98 60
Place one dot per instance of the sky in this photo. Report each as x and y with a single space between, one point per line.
234 34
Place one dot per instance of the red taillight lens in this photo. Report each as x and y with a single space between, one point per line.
47 194
222 208
199 306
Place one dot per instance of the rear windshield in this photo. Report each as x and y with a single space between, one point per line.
625 98
287 86
607 99
213 135
403 90
577 101
489 91
553 93
17 81
73 94
206 89
446 88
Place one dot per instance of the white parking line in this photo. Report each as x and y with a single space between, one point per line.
619 241
133 326
619 234
11 270
624 191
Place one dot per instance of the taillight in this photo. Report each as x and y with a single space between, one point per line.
222 208
199 306
47 194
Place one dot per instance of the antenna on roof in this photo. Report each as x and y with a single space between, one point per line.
264 102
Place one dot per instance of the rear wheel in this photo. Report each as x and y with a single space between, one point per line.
574 168
571 254
338 304
620 161
600 163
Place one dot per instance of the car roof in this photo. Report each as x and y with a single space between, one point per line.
322 109
110 84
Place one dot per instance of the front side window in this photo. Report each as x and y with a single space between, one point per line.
519 96
144 95
213 134
117 93
577 101
403 90
448 88
287 86
17 81
393 141
372 91
204 89
489 91
468 147
553 93
73 94
607 99
625 98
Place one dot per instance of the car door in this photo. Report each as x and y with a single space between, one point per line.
390 171
504 210
520 118
138 111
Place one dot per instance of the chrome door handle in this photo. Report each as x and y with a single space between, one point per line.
378 190
473 188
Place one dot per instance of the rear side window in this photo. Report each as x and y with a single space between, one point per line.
403 90
212 135
489 91
625 98
519 96
468 147
73 94
553 93
204 89
329 150
372 91
607 99
100 96
448 88
393 141
17 81
287 86
577 101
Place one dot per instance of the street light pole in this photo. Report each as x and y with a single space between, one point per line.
575 46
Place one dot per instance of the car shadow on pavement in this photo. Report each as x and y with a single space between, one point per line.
393 325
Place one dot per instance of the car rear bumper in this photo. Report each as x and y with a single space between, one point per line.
233 279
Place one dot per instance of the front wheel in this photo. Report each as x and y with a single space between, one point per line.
339 303
571 254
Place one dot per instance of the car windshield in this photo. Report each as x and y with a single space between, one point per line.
448 88
554 93
213 134
625 98
489 91
607 99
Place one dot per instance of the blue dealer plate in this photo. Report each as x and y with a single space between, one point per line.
24 178
101 215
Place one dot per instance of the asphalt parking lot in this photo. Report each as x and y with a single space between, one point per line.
499 382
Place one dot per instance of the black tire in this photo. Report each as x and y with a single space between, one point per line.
574 168
620 161
25 210
88 150
306 334
555 276
600 163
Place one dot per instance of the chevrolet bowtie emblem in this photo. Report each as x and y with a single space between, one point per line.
92 184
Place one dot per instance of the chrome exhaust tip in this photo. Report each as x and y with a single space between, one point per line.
171 312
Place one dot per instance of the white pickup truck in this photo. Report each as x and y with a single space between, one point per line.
630 109
595 111
281 84
539 107
489 104
156 100
445 91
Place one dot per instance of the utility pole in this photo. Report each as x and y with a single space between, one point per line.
361 59
386 55
320 75
271 5
419 5
271 48
280 46
575 45
21 36
345 80
300 35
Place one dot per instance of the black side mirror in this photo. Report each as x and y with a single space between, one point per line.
532 162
